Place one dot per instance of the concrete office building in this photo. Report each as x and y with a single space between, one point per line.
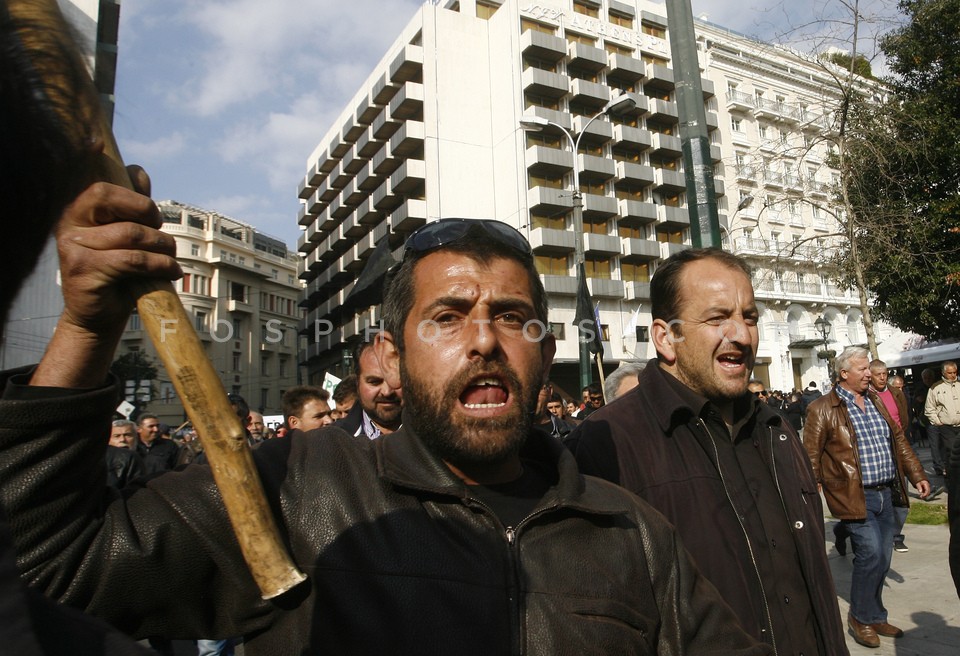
435 132
240 287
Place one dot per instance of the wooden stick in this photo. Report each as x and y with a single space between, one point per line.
163 315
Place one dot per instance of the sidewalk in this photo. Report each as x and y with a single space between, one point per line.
919 594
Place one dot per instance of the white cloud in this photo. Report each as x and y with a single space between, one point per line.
165 147
253 48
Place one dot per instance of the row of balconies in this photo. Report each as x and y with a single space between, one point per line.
365 206
579 56
777 111
395 97
595 206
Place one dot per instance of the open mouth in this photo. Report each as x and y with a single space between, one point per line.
485 393
732 360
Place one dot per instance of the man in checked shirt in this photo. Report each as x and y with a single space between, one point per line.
860 457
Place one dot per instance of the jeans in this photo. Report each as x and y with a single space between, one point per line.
872 541
901 517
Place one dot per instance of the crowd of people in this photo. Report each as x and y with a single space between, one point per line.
454 508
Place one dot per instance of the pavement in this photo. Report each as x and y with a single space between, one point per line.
919 593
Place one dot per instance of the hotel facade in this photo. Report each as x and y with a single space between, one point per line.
435 132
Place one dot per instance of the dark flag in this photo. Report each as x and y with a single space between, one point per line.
368 290
585 319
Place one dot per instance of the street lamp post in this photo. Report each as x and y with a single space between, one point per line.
823 327
619 104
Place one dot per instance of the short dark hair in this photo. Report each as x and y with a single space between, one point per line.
142 417
345 389
475 244
665 296
358 351
296 397
555 398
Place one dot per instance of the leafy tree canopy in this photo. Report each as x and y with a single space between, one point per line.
903 174
860 64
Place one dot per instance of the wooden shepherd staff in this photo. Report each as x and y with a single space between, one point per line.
45 39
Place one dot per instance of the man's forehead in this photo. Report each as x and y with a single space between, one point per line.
443 273
709 280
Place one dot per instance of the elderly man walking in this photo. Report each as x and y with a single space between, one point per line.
860 456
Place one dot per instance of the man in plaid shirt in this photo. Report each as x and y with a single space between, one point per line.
860 456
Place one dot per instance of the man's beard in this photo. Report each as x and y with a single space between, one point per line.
466 440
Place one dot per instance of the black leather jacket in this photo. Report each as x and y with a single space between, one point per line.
401 557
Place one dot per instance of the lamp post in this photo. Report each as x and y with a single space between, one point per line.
619 104
823 327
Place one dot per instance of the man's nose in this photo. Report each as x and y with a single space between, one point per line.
482 338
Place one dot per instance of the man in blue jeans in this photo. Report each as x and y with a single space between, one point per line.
860 456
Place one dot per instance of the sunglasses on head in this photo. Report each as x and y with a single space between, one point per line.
447 231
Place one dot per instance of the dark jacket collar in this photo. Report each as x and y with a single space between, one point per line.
403 459
674 404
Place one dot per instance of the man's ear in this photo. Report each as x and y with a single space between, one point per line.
388 356
293 422
664 340
548 349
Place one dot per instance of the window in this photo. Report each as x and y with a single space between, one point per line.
200 321
558 330
585 9
486 10
185 283
282 366
134 322
558 222
631 272
631 232
598 228
265 366
617 49
543 139
236 361
265 391
670 236
194 250
527 24
653 30
736 124
237 328
596 187
573 37
550 181
598 267
622 20
274 274
238 292
551 265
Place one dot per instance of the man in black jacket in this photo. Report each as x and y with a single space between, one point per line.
721 465
465 531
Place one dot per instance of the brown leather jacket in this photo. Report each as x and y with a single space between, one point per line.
830 441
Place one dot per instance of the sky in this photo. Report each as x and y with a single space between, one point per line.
222 101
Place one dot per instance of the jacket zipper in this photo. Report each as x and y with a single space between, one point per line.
510 534
746 537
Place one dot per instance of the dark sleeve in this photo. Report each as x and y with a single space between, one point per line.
592 445
953 511
167 538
